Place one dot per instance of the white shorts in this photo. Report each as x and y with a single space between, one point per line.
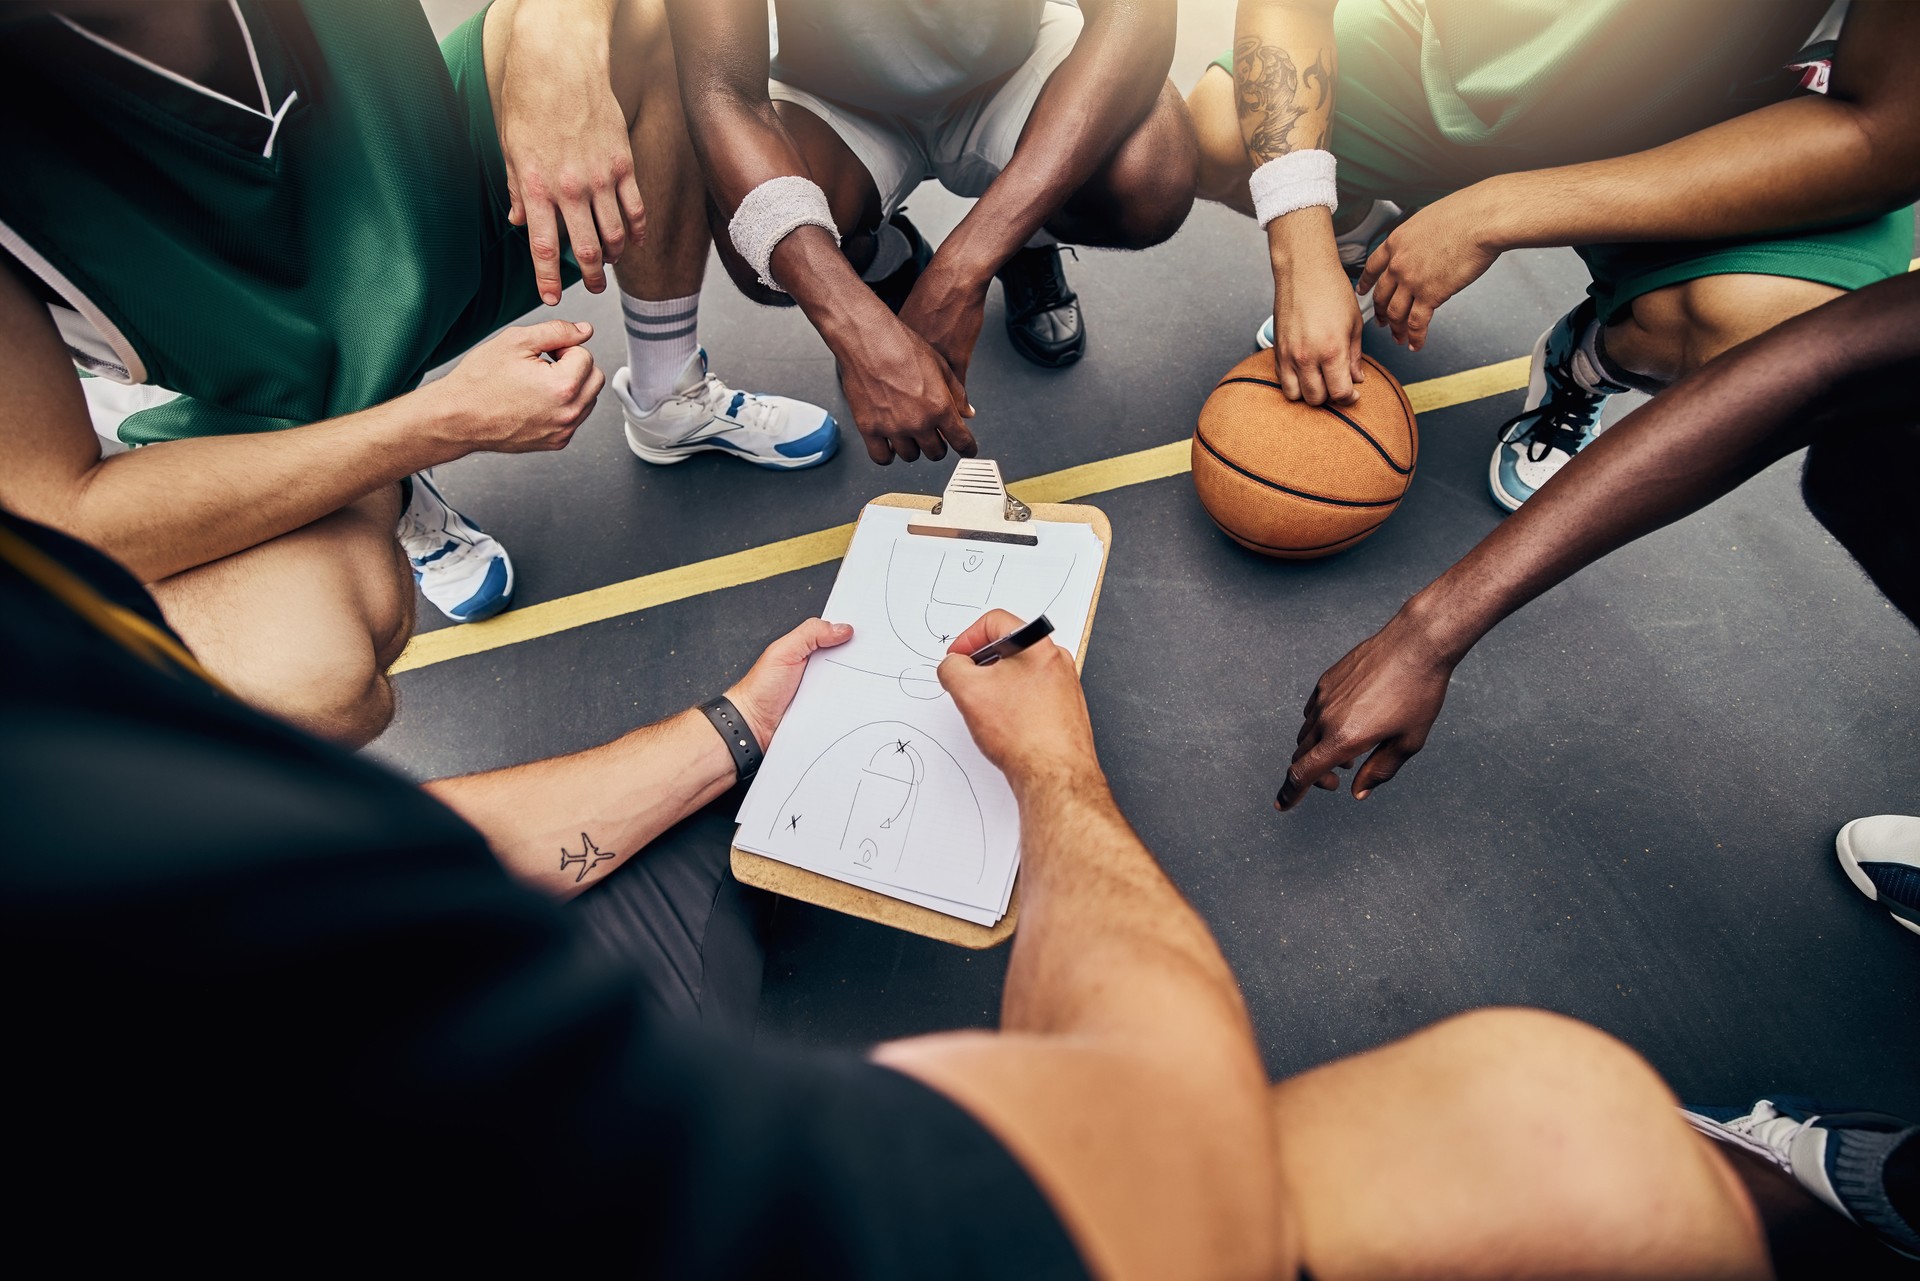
964 145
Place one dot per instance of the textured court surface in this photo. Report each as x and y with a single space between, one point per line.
1625 813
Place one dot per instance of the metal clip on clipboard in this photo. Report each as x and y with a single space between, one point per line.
976 505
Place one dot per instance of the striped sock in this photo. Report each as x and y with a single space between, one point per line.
660 342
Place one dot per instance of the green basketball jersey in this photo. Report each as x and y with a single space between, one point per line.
307 251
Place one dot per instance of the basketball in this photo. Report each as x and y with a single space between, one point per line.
1297 481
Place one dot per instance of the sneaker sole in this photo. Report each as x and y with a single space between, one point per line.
479 616
1045 360
1536 394
1850 864
667 458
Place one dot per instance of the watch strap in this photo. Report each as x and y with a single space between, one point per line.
726 718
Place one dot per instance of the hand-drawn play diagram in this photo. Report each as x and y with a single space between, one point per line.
874 778
934 591
887 801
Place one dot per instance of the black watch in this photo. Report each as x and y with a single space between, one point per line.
740 740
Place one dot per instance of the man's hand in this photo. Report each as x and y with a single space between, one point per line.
1381 698
569 159
905 399
504 398
1026 713
766 691
1316 314
948 312
1428 259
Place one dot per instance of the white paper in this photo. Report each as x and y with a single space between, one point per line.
873 778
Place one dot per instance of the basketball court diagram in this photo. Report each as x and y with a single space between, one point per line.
935 591
887 801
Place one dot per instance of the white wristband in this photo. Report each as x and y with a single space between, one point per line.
770 213
1293 181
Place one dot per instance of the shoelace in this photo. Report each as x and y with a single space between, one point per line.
1562 422
1040 287
741 406
1767 1127
421 542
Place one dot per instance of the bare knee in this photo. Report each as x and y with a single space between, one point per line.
1223 167
1673 331
350 704
1145 191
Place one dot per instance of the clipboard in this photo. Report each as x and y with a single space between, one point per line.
976 506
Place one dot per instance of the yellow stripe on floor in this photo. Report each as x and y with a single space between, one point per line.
788 554
770 559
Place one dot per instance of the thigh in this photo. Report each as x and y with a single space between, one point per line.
1848 256
868 164
305 625
694 933
841 151
1505 1143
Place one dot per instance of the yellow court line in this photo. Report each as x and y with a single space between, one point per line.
788 554
770 559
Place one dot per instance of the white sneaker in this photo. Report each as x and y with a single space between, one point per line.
1881 856
459 567
704 413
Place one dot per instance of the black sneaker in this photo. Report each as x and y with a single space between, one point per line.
1043 314
894 289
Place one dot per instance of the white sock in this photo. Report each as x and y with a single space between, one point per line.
660 341
1040 240
890 253
1589 367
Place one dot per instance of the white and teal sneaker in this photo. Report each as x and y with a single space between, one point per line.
704 413
1881 856
459 567
1838 1154
1356 246
1565 395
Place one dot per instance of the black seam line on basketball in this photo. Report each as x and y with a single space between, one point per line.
1318 547
1297 493
1364 433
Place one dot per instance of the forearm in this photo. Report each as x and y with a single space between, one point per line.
565 824
1092 102
1835 368
1742 177
170 507
1284 68
1107 947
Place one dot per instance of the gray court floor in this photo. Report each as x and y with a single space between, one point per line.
1625 813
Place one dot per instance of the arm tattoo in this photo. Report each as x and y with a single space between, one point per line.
589 858
1276 96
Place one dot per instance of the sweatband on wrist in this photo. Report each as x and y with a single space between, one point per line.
770 213
1296 180
741 744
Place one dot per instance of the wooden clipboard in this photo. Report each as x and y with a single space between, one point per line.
959 508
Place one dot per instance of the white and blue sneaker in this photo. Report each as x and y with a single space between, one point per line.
1881 856
1565 396
704 413
458 566
1839 1155
1355 246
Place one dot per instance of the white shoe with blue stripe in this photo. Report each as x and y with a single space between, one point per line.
458 566
704 413
1881 856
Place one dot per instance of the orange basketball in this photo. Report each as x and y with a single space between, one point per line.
1297 481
